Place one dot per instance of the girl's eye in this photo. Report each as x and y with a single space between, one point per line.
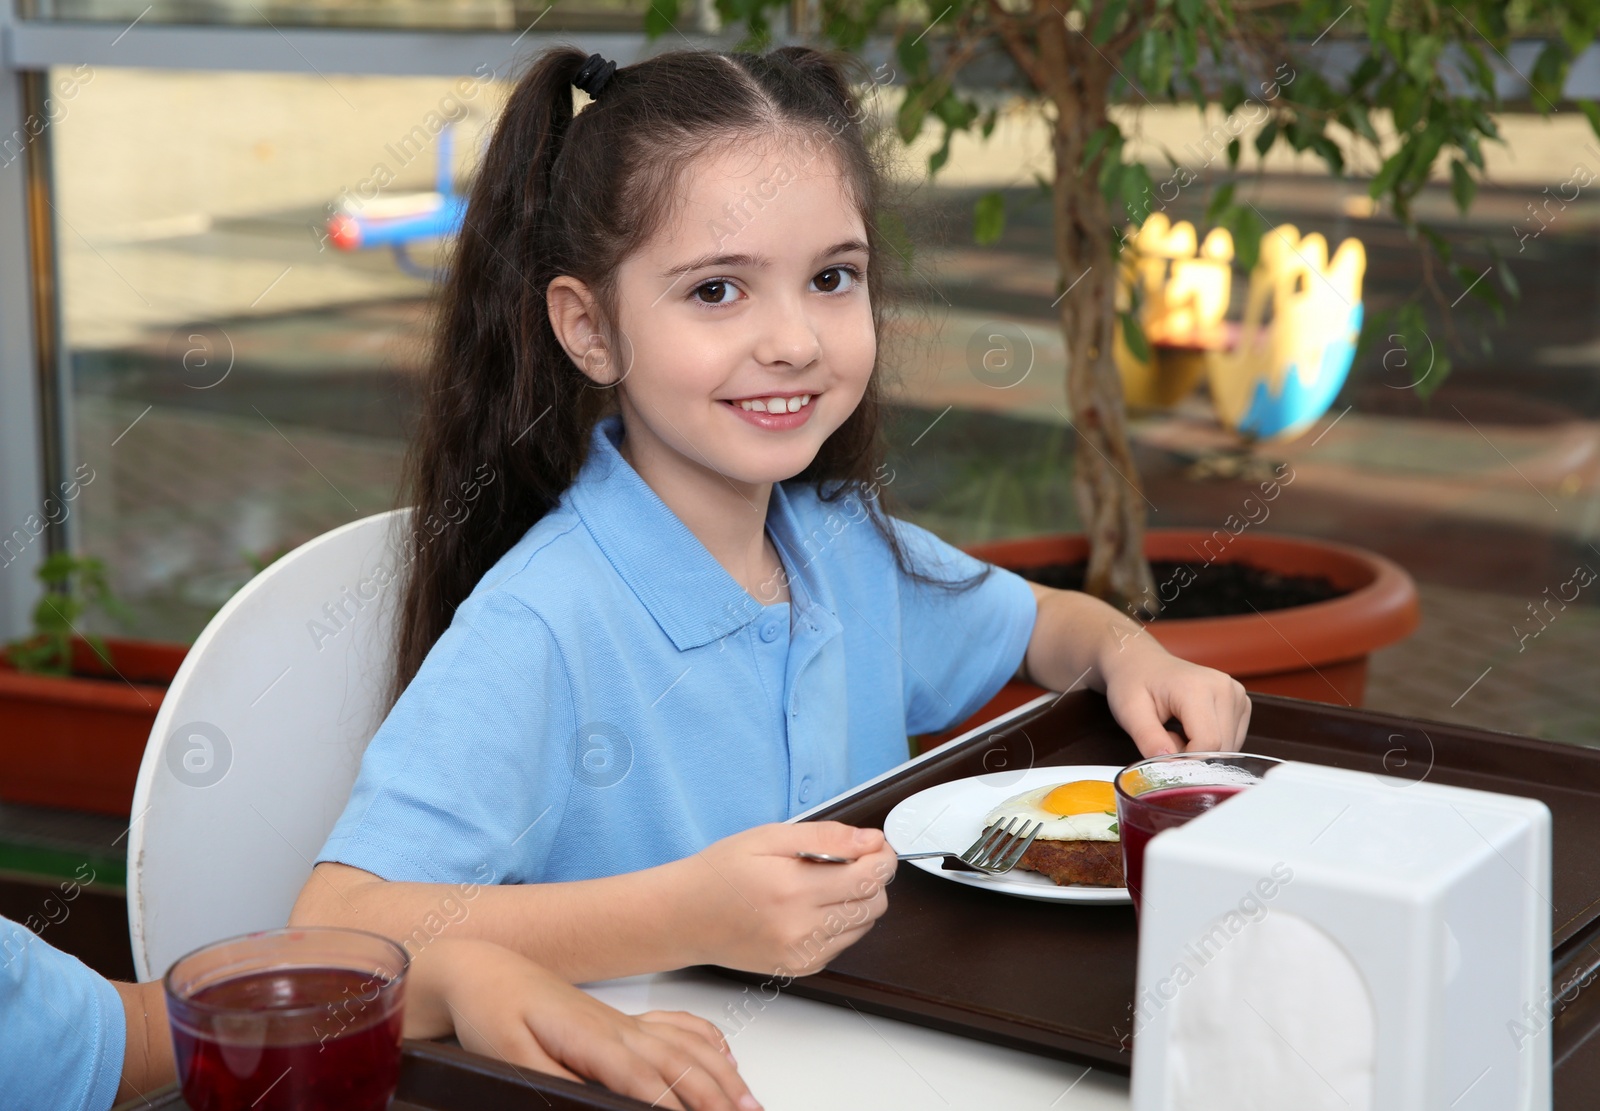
832 286
834 280
719 285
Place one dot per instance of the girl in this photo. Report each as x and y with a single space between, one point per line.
673 612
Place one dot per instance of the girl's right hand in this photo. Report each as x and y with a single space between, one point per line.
757 907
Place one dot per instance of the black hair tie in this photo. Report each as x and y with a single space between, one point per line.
594 74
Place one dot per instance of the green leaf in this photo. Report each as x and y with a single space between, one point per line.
1161 69
1330 153
1137 189
1266 136
1441 245
1110 16
1189 52
1422 52
913 56
1377 18
1220 200
1508 280
1390 171
1133 334
1097 141
908 120
1233 153
1428 145
954 111
660 17
1359 120
1405 100
74 585
1441 370
988 218
1247 228
1548 76
1462 187
1111 184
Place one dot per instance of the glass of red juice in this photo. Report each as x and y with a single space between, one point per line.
1167 791
297 1019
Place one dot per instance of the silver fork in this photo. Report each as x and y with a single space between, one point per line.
997 849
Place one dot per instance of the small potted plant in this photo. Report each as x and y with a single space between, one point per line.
75 708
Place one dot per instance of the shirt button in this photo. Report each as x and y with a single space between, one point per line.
805 789
769 632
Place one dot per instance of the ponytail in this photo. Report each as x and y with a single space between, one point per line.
505 415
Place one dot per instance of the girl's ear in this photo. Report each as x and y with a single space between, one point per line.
575 320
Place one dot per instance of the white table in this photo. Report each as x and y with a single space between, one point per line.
800 1055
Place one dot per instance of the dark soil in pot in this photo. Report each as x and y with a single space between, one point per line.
1206 590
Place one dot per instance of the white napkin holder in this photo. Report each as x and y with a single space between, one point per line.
1333 940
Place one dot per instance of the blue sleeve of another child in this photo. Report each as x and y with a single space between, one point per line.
471 769
64 1031
959 647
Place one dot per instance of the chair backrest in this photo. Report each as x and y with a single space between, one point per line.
258 742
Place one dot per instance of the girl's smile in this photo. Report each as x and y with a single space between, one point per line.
778 412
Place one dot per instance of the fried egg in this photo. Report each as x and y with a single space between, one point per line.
1083 810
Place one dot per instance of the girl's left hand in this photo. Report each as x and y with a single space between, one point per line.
1147 686
500 1004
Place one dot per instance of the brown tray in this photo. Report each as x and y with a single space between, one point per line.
1058 979
437 1076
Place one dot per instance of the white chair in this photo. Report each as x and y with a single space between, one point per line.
258 741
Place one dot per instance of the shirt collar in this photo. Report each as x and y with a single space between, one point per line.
688 593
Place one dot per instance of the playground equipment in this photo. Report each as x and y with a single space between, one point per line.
1273 373
401 219
1302 318
1183 297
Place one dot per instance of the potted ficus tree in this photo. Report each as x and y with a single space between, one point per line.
1306 75
76 708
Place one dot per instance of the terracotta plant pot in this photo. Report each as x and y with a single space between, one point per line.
1316 652
77 742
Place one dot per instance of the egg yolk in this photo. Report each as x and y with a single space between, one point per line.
1086 796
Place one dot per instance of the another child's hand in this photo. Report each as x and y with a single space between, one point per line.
502 1005
755 906
1147 686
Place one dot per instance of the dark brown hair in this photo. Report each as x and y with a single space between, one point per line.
506 415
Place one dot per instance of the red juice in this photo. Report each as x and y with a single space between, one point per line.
290 1039
1143 816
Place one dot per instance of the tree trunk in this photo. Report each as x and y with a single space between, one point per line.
1110 501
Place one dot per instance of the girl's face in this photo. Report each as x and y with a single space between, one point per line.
754 289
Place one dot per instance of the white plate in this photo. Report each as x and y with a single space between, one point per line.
949 817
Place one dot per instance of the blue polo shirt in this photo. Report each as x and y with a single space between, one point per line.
64 1034
609 698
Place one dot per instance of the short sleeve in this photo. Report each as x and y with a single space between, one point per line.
467 778
959 647
65 1034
